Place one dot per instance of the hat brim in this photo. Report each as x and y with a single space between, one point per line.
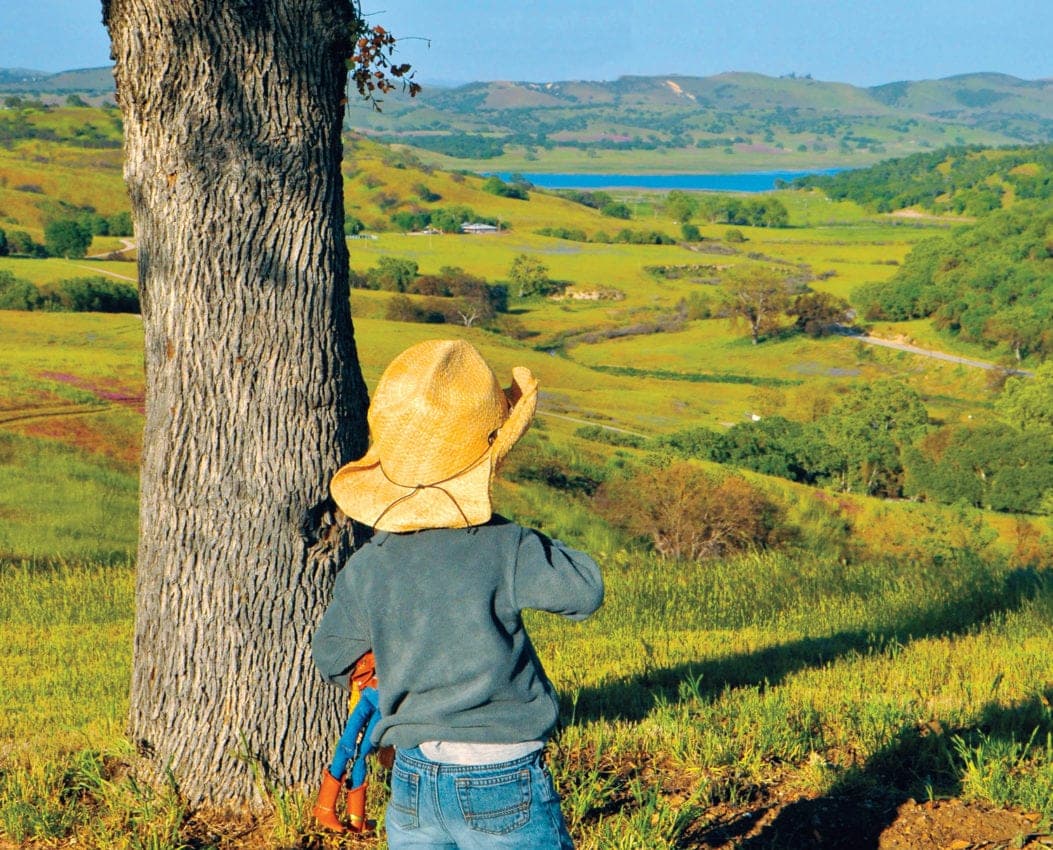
522 400
364 492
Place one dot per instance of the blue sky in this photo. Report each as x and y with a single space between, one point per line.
865 42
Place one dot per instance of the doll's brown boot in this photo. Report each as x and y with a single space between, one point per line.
324 810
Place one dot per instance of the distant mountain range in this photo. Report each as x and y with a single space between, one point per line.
89 81
985 92
792 119
971 97
797 119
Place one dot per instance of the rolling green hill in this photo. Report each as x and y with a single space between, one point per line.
728 122
860 654
85 81
960 180
733 121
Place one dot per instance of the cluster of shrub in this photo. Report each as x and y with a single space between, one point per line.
517 187
602 202
623 236
81 294
15 125
719 208
663 322
447 219
685 511
66 237
678 509
595 200
963 180
877 440
991 282
460 145
693 271
453 295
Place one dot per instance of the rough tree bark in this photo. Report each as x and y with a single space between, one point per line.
232 112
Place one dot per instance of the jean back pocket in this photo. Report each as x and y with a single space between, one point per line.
404 805
495 804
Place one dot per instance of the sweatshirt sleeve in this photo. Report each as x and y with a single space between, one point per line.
550 576
342 636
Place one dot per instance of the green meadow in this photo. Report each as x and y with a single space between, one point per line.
881 651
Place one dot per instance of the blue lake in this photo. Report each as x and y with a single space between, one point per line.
750 181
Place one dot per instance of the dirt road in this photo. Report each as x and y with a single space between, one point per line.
937 355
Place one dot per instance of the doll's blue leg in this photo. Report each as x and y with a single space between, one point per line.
345 747
358 769
365 708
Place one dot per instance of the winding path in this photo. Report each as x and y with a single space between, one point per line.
97 270
49 412
588 422
937 355
129 245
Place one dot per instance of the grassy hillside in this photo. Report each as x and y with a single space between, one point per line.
56 162
957 181
870 667
837 243
724 123
768 689
91 82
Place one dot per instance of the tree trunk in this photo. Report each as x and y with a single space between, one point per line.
254 396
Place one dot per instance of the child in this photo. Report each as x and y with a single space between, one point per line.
438 595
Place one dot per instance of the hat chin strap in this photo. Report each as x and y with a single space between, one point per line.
435 485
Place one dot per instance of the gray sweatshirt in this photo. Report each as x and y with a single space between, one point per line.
442 611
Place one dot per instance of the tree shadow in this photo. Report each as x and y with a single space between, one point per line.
919 761
632 698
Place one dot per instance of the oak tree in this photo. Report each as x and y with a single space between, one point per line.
868 429
1028 401
759 295
67 238
232 115
530 276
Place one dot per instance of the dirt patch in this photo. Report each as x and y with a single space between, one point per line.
825 823
85 434
771 823
960 826
918 215
112 392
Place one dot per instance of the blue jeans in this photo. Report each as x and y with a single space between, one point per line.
473 807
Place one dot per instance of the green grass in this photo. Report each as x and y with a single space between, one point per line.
67 633
694 686
696 689
55 268
58 502
70 425
918 666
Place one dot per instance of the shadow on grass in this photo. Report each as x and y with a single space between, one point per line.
919 761
863 802
633 697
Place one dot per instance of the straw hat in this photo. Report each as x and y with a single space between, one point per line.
440 425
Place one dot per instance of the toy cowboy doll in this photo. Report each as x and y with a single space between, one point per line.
354 745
